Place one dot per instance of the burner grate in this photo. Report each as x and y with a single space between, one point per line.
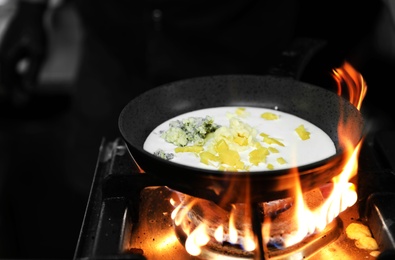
128 217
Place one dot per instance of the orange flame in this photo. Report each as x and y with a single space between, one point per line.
343 194
337 195
351 80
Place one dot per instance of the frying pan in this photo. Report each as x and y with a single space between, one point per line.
315 104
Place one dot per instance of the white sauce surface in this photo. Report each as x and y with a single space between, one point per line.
296 152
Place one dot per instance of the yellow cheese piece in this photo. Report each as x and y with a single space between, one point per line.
241 112
220 146
273 150
281 160
302 132
269 116
258 155
241 140
206 157
270 140
229 157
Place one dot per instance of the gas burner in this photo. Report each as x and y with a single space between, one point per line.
305 249
197 212
128 215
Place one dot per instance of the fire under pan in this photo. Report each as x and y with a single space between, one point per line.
129 217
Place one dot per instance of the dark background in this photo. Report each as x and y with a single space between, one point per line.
48 151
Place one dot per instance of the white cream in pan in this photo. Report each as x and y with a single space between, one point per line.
293 151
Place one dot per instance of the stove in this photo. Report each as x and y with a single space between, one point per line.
128 213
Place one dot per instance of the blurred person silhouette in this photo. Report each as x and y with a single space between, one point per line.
130 47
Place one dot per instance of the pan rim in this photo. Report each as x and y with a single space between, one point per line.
213 172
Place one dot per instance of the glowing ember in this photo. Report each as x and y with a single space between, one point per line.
305 214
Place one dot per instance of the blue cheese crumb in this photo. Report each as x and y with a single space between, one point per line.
189 131
162 154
